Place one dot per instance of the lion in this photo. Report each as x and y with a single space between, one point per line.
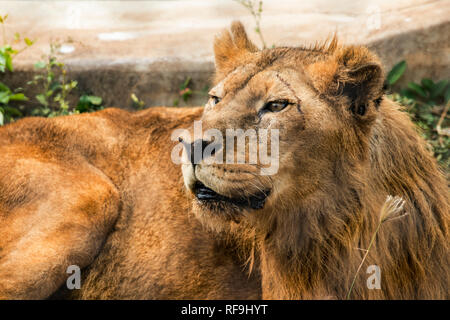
101 191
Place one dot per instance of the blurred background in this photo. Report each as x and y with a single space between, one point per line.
64 57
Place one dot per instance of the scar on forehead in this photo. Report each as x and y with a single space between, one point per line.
291 90
236 79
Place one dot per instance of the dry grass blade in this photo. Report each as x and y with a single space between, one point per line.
391 209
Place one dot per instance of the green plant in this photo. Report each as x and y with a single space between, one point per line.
56 87
8 111
396 73
54 81
88 103
255 9
427 103
186 93
137 103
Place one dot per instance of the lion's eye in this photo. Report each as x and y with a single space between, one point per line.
214 100
275 106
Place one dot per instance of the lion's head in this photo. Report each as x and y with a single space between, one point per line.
322 101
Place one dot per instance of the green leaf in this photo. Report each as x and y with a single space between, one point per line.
18 97
409 94
6 49
4 97
2 118
3 19
28 41
439 88
83 104
417 89
427 83
396 72
95 100
2 62
73 84
63 105
13 111
428 117
39 65
42 99
4 87
134 98
8 62
55 86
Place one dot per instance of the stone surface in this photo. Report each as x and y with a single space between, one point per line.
115 48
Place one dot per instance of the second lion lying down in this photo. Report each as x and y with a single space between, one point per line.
100 191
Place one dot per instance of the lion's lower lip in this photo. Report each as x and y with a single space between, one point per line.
203 193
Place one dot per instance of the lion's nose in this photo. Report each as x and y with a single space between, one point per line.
195 150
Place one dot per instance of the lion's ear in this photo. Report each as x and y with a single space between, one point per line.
352 73
232 48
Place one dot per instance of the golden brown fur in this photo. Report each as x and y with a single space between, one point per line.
100 191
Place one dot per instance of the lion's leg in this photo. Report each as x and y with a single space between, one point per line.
50 218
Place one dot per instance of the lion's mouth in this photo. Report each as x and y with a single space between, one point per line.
207 195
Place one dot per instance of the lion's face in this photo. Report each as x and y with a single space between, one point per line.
293 119
272 99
